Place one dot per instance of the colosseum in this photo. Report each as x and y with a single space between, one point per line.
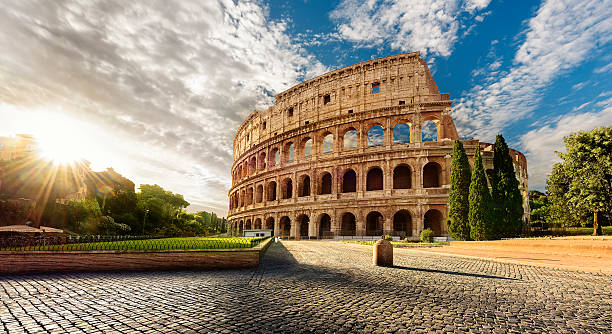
361 151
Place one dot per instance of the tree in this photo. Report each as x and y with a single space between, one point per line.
507 198
459 226
479 200
583 181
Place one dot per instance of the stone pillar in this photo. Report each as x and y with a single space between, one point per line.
335 224
388 225
360 225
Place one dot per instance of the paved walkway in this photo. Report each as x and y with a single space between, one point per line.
314 286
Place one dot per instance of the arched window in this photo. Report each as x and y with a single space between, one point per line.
401 177
376 136
289 152
303 224
349 181
401 133
274 158
262 161
326 184
307 148
431 175
304 186
328 143
271 191
374 179
252 165
285 226
287 188
429 131
259 194
350 139
250 196
325 226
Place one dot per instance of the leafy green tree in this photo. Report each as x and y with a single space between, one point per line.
479 200
507 198
459 225
540 208
583 181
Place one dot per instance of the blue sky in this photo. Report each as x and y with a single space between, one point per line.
156 89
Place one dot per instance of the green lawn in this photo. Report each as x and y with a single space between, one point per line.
398 244
150 244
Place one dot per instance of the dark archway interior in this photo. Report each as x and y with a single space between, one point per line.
374 180
257 224
285 226
401 177
325 227
402 223
349 226
374 223
433 221
349 182
259 194
431 175
248 225
272 191
288 189
304 221
326 184
305 186
270 224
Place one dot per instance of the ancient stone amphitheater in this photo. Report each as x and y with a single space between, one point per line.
364 150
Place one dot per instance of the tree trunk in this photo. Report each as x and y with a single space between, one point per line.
596 226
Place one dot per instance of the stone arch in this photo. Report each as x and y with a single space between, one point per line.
274 158
270 224
259 194
430 130
304 186
271 191
289 152
247 225
401 133
376 135
374 223
327 144
350 139
402 178
303 224
306 147
287 188
325 226
285 226
257 225
326 184
261 161
349 181
241 227
374 179
432 175
402 223
249 195
252 165
433 220
348 224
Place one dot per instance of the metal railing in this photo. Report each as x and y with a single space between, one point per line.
103 243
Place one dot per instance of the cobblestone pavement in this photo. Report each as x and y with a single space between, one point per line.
315 287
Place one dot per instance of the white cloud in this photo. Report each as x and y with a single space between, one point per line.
540 145
562 35
604 69
430 26
161 76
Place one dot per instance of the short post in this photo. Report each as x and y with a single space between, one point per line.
383 253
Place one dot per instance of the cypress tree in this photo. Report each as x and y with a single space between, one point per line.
507 198
479 199
459 226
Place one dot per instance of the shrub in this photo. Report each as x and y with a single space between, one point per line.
388 237
427 235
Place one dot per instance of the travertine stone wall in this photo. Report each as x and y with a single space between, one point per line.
279 175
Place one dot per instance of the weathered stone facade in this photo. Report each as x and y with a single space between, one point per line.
328 158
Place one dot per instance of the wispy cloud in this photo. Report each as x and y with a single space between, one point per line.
158 74
561 35
430 26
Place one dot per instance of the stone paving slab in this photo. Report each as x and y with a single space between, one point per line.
315 287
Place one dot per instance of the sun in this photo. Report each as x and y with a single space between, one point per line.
60 148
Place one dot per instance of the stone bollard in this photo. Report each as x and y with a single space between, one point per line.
383 253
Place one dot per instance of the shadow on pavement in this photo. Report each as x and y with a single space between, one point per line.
451 273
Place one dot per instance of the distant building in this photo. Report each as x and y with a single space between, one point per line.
257 233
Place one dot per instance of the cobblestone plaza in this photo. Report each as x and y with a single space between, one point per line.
315 286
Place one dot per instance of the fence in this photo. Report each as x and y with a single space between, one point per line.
100 243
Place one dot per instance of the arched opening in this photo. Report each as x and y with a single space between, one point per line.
433 221
257 224
350 139
401 177
249 195
248 226
401 133
239 173
325 227
374 223
307 147
402 223
241 227
285 227
287 188
431 175
270 224
259 194
328 143
326 184
289 152
303 222
376 136
349 225
252 165
274 157
242 196
304 186
374 179
262 161
429 131
271 191
349 181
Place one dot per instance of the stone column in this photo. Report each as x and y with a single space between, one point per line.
388 225
360 224
335 224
